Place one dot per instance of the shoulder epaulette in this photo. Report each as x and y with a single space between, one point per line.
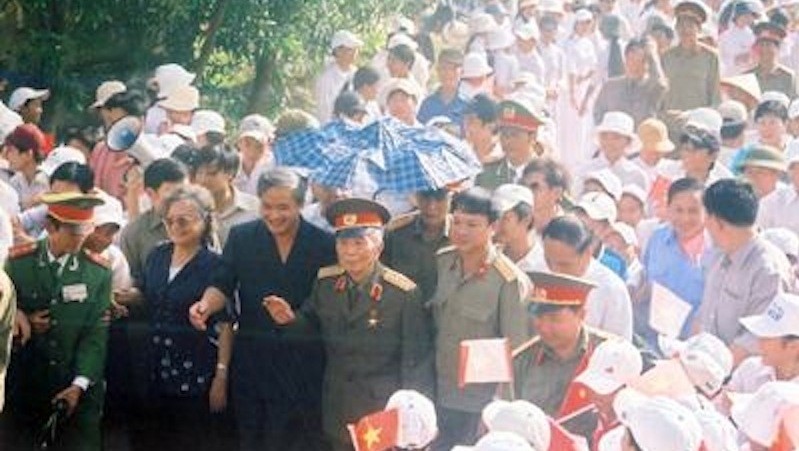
398 280
401 221
22 250
602 333
505 268
525 346
97 259
445 250
329 271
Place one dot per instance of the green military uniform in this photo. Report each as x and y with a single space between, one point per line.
540 375
377 334
781 78
694 78
8 308
74 346
516 111
408 251
488 304
76 290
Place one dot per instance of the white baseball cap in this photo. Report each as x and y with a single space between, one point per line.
181 98
785 239
613 364
204 121
612 440
499 441
706 119
627 233
758 416
527 31
170 76
403 24
257 127
475 65
598 206
402 39
718 432
106 90
707 362
634 191
520 417
9 120
776 96
582 15
109 212
617 122
481 22
658 423
59 156
780 319
345 38
418 424
509 195
22 95
609 181
405 85
732 111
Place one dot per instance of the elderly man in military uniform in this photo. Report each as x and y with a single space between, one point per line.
480 294
771 75
691 67
64 293
545 366
519 120
371 319
413 239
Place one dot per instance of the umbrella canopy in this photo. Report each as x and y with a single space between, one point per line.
390 156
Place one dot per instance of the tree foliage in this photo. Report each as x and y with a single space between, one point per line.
250 55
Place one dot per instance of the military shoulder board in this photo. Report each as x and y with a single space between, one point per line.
504 266
330 271
398 280
21 250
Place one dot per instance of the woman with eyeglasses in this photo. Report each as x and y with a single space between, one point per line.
187 368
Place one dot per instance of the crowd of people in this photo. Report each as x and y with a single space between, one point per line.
632 240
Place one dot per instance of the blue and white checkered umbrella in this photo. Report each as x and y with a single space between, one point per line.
390 156
314 148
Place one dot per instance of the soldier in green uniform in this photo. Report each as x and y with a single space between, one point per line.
691 66
545 366
64 293
771 75
519 120
413 239
375 330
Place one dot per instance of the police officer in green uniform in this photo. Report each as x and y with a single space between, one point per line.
546 365
519 120
771 75
64 293
375 330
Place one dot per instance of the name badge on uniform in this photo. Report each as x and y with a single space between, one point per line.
75 293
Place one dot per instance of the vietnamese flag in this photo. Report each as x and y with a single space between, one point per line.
560 439
375 432
576 399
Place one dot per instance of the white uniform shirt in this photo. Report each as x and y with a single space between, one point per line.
328 87
733 42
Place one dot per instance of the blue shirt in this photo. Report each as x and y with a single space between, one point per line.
666 263
433 105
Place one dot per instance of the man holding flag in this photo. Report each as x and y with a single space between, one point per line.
545 366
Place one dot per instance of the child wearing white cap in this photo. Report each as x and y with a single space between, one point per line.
612 366
777 332
519 417
760 417
418 423
656 424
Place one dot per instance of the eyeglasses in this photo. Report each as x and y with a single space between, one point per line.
181 221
